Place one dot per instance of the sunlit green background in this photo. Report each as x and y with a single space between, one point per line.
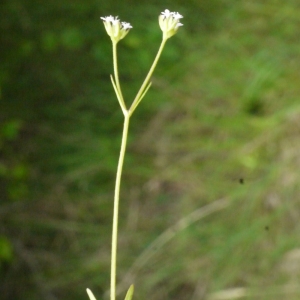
210 199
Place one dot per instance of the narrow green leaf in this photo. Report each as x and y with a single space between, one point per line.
136 103
91 295
129 293
121 101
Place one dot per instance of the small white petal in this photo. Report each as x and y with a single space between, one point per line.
126 26
115 21
109 19
166 13
177 15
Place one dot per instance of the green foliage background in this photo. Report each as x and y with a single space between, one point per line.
218 132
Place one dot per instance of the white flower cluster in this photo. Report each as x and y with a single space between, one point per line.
116 29
169 22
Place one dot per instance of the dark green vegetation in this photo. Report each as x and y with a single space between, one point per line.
220 123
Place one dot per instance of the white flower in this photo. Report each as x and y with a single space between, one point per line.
169 23
116 29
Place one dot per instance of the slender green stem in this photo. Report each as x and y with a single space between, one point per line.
116 209
115 62
144 85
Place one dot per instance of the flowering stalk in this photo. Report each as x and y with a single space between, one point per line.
117 30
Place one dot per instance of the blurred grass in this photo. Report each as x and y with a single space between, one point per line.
220 122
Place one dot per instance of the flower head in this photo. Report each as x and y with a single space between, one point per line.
116 29
169 23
